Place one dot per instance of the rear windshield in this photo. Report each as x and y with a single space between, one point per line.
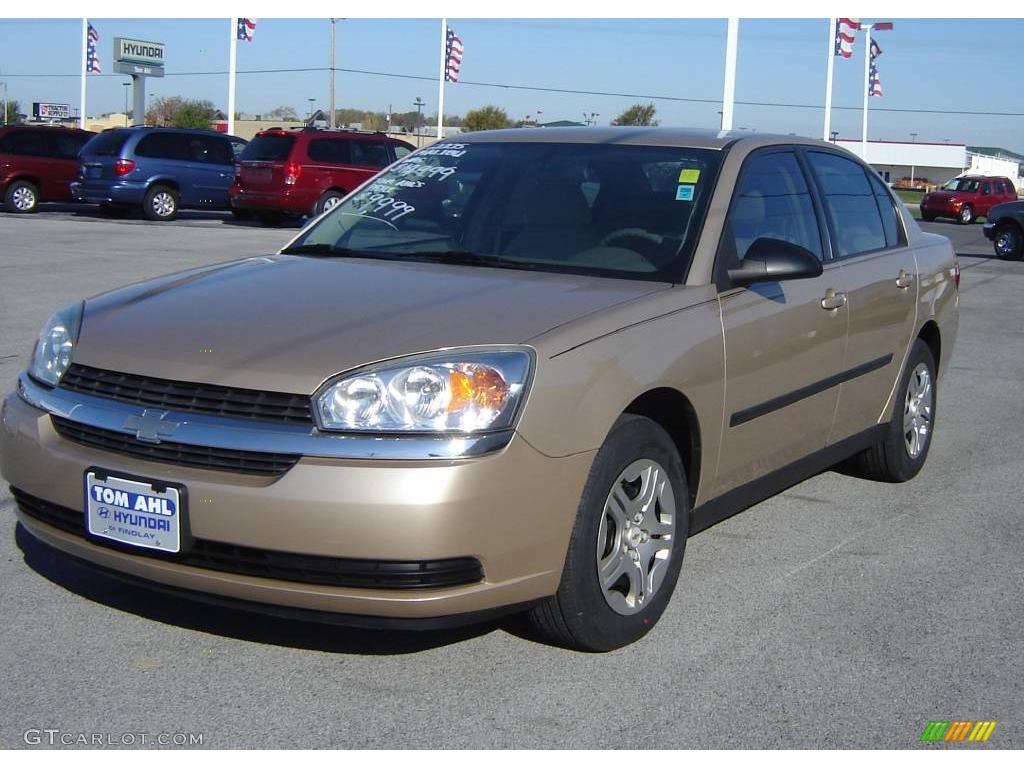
106 143
268 147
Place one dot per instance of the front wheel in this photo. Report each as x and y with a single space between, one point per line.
1008 242
22 197
966 215
160 204
627 543
902 452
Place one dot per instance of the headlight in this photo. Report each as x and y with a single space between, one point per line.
455 391
52 354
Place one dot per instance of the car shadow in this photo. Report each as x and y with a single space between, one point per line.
237 623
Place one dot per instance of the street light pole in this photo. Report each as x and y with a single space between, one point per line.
330 117
419 104
834 135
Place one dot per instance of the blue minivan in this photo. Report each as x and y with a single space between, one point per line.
160 169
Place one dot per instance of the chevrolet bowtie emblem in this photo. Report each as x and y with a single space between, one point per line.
150 426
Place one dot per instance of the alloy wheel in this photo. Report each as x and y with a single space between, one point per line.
635 537
917 410
24 198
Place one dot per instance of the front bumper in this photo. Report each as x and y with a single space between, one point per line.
989 230
512 509
111 192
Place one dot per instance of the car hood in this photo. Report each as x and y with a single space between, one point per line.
286 323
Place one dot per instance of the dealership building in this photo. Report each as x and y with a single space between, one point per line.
932 164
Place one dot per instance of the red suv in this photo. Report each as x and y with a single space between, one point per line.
37 163
967 197
307 172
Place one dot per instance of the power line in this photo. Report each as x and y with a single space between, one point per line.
572 91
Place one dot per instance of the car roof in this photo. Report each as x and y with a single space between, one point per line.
169 129
329 133
635 135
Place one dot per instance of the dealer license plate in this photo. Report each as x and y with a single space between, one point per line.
135 512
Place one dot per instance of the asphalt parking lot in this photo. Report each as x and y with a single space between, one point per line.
841 613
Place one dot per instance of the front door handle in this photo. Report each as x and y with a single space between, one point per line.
904 280
833 300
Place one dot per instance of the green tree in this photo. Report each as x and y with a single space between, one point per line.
638 114
485 119
374 121
13 108
193 113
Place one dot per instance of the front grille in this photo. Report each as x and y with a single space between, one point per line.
203 457
283 566
189 397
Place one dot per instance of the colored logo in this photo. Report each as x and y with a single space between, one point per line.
959 730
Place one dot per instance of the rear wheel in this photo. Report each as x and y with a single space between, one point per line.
160 204
627 543
22 197
902 452
1008 241
328 200
966 215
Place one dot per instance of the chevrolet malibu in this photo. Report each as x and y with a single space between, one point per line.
510 373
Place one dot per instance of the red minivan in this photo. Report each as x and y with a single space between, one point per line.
967 197
307 172
37 163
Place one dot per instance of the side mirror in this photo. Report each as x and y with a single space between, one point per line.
771 260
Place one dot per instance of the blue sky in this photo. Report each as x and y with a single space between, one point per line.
927 64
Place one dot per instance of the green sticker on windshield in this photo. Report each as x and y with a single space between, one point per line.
689 176
684 192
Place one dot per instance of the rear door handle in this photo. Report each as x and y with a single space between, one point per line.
833 300
904 280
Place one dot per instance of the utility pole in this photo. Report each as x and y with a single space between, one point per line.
419 104
330 118
5 102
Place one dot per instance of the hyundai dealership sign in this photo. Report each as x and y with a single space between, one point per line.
131 51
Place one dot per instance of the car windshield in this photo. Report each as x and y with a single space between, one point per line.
961 185
606 209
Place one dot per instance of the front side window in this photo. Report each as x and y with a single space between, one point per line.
886 207
68 145
772 200
601 209
849 204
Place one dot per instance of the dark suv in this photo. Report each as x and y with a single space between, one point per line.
160 169
309 171
37 163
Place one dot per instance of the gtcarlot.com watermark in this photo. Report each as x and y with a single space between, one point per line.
54 737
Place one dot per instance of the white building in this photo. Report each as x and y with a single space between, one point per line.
932 164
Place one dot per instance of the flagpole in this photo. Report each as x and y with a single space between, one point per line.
440 86
729 93
867 92
828 78
232 66
85 64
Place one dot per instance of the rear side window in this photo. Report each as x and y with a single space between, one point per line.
31 143
330 151
370 153
986 188
107 144
771 200
166 146
68 145
886 207
272 147
850 204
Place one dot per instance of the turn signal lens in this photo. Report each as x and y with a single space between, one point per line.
291 173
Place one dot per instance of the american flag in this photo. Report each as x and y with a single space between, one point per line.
246 29
92 59
846 30
874 80
452 57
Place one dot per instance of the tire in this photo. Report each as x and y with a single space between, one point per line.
328 200
896 459
1008 241
22 197
160 203
591 612
966 215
